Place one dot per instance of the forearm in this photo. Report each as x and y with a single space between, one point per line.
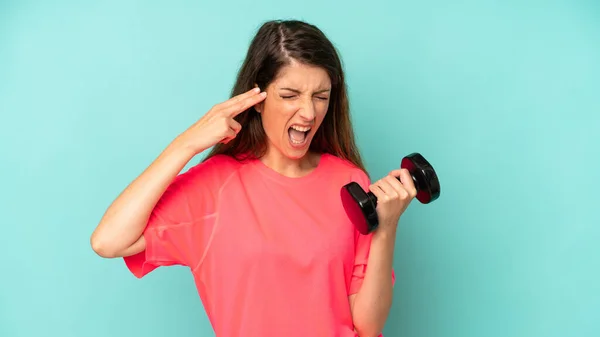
125 219
373 302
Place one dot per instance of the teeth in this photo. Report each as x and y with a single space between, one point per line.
301 128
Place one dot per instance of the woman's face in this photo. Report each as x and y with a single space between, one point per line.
296 103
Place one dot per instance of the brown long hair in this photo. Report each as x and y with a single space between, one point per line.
275 44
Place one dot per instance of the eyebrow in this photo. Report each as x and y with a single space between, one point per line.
298 91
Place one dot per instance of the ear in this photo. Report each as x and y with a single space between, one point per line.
258 106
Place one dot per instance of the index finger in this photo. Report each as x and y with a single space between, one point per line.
241 96
404 176
237 98
244 103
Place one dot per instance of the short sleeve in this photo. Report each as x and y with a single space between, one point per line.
180 224
362 245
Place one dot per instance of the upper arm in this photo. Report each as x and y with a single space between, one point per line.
351 299
137 247
180 224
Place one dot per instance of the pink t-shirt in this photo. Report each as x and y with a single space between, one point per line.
270 255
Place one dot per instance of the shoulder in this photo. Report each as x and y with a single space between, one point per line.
345 170
219 162
211 172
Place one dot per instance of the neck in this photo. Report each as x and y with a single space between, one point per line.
290 167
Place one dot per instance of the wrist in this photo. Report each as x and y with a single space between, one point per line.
385 232
178 150
181 147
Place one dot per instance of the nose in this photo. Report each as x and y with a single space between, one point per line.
307 111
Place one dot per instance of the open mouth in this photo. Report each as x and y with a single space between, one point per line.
298 134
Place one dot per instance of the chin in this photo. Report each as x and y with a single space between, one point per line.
292 150
296 155
296 151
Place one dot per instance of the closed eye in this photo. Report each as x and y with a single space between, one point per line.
292 93
288 97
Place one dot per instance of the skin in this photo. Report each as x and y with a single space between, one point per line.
119 232
306 104
371 305
300 95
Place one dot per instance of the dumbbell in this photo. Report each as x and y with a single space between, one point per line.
361 206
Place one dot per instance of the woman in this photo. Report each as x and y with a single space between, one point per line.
259 222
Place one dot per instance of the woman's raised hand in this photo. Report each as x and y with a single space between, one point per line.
218 124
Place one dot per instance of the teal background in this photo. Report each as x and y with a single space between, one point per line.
503 97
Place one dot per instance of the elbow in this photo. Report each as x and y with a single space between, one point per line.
368 330
370 323
369 327
100 247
